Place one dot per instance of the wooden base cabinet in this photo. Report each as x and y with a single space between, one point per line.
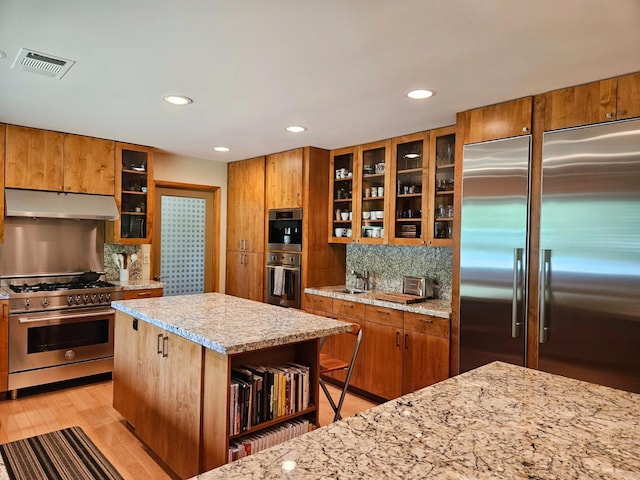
400 351
160 390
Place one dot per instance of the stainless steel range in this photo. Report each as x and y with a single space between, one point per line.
59 328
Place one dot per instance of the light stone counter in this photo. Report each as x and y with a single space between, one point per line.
139 284
496 422
435 307
229 324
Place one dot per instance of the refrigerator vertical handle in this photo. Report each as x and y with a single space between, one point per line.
545 272
518 281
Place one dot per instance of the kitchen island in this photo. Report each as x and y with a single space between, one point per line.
496 422
172 369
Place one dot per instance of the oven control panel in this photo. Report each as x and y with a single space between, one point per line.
71 299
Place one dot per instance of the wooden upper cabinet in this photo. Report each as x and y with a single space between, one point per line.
628 96
502 120
245 205
89 165
586 104
34 158
284 179
45 160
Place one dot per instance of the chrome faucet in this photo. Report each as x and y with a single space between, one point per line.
364 276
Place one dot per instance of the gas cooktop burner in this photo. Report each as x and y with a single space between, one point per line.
51 287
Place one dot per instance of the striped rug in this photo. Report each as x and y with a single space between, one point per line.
66 454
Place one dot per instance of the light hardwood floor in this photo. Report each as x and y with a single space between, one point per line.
89 406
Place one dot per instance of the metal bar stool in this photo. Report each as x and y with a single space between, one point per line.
329 364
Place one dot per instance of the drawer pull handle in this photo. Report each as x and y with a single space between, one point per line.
144 294
383 312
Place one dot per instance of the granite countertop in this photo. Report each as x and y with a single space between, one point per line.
435 307
230 324
139 284
499 421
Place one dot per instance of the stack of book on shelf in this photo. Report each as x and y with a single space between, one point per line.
408 231
255 442
259 394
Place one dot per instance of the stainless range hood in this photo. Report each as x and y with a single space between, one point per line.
42 204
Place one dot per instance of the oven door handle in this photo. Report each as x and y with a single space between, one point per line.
295 269
40 317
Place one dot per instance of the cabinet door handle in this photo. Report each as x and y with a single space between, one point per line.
397 339
165 347
159 343
406 341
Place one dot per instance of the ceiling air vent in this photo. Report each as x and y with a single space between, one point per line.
43 63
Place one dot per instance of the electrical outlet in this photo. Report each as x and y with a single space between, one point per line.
145 258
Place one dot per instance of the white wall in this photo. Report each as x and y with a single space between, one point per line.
175 168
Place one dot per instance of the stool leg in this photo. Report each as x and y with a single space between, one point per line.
330 399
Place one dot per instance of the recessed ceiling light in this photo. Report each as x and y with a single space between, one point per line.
420 94
221 149
296 129
178 100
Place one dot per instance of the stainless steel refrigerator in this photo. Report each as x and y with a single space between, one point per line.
589 322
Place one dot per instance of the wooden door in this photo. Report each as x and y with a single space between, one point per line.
236 208
180 400
383 360
234 282
245 205
502 120
254 276
586 104
34 159
126 390
150 418
89 165
342 348
284 179
253 205
4 346
628 103
425 346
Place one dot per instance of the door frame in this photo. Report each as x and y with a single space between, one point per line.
212 228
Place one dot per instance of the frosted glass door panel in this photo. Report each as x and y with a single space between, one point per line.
182 245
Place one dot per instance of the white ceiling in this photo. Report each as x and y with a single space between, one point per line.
339 67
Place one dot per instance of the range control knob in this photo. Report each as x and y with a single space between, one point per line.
70 300
27 303
108 295
45 302
94 298
86 298
78 299
101 297
69 354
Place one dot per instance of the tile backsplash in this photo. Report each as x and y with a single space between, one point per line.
112 270
387 264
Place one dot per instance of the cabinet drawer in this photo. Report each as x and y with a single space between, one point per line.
143 293
348 308
387 316
438 327
318 303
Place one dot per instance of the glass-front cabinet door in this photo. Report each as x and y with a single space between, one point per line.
134 195
409 197
443 147
373 162
342 190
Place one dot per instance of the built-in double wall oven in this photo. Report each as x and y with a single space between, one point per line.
284 259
